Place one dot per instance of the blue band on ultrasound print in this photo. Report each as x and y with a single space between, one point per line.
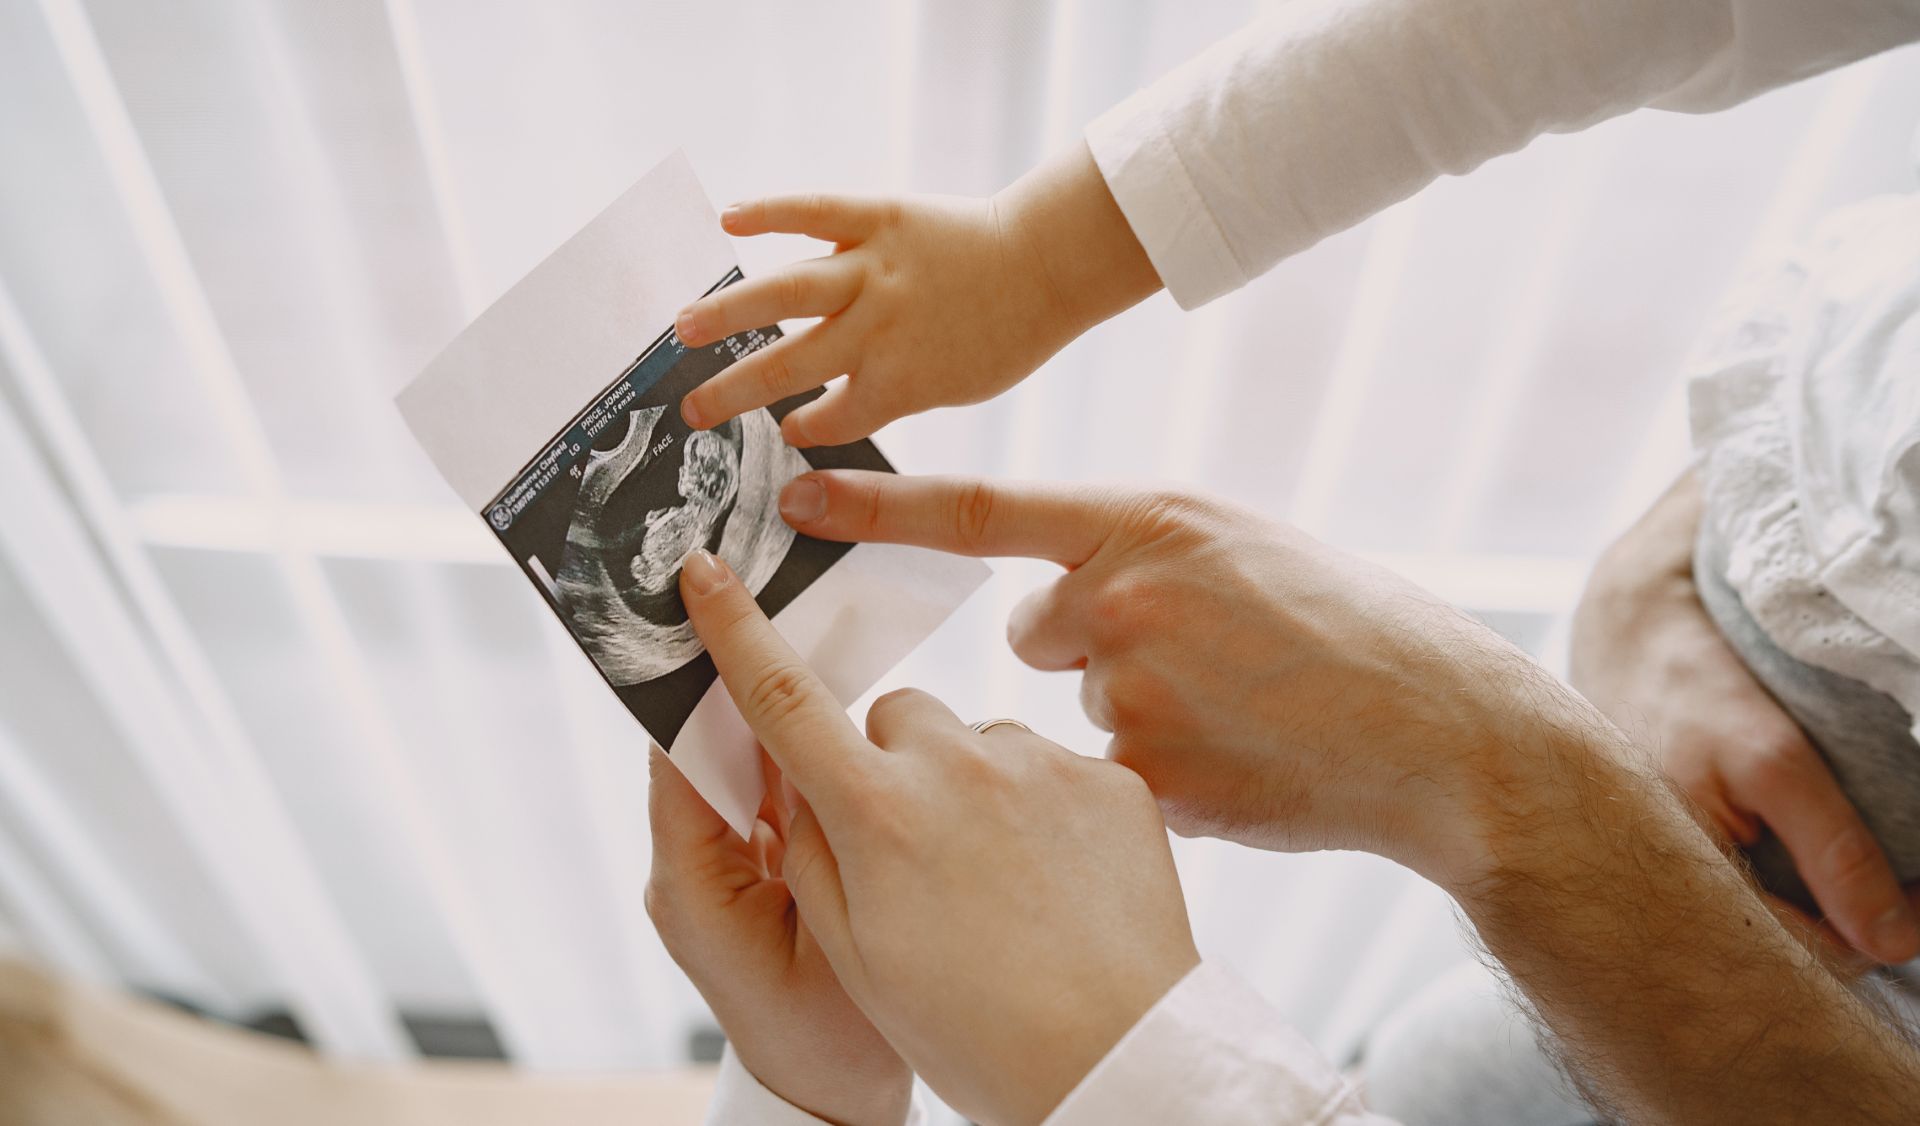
575 441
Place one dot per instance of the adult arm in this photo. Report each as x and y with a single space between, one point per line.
1311 120
1340 707
1674 993
1297 127
797 1045
1211 1050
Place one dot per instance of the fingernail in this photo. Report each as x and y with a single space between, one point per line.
803 501
1895 934
685 325
704 571
731 213
691 414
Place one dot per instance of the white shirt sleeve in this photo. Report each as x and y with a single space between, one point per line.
1212 1050
1307 122
739 1099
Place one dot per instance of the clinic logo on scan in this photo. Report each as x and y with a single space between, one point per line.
501 517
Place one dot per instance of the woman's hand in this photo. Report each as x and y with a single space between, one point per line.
1003 909
726 916
1645 652
1271 691
926 301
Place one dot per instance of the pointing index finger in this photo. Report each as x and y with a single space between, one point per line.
962 515
802 726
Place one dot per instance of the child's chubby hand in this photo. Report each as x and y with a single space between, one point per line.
925 301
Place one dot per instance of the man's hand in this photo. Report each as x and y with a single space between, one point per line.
1003 909
1646 653
1276 692
726 916
1271 690
927 301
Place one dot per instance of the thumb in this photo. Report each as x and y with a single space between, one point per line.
684 826
812 873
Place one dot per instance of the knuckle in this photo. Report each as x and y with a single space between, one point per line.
790 290
775 374
1125 605
830 427
1135 698
1783 744
871 499
1029 633
779 693
1172 507
1772 760
659 905
887 704
979 769
973 512
1852 858
896 697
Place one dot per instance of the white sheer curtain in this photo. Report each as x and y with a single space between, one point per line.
277 724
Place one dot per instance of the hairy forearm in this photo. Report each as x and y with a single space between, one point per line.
1674 993
1065 219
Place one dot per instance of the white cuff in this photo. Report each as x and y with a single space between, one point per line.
1136 154
739 1099
1212 1050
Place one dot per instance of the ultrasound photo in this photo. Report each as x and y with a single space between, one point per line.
603 517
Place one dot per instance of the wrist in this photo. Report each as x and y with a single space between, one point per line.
1092 1017
1067 229
842 1092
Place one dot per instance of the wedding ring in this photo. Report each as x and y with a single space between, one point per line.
981 727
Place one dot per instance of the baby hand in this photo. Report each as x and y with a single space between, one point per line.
927 301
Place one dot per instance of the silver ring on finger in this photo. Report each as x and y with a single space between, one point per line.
981 727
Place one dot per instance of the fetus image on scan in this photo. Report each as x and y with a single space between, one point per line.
662 492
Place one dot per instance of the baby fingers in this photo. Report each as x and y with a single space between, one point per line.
786 368
818 287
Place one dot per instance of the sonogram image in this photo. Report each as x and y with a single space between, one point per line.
644 505
602 517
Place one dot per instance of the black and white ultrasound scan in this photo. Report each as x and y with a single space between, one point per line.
555 418
601 518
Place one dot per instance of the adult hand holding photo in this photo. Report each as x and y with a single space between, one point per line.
1276 692
723 910
1002 909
